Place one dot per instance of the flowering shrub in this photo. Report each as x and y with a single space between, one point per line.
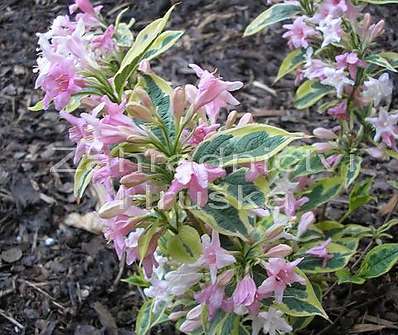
220 218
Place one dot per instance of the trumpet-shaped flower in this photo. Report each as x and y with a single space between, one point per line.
337 79
212 296
339 111
201 132
214 256
298 33
270 322
280 275
379 89
244 294
321 251
88 12
195 178
350 61
331 30
212 92
105 42
306 220
386 127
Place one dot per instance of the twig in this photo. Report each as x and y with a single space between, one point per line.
34 286
120 273
11 319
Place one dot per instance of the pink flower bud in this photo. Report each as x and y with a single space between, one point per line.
245 119
189 326
139 112
324 147
145 66
279 251
274 231
141 96
134 179
176 315
179 102
155 156
231 119
376 153
224 278
324 134
306 220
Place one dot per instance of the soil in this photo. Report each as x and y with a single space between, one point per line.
56 279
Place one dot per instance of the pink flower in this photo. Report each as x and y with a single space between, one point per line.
201 132
195 178
324 133
105 42
350 61
331 30
131 244
270 322
291 204
244 294
212 92
279 251
280 274
89 12
306 220
214 256
298 34
386 128
112 167
256 169
213 297
339 111
332 161
321 251
60 83
331 8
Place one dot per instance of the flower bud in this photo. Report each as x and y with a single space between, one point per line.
177 315
377 30
245 119
274 231
306 220
134 179
231 119
376 153
279 251
155 156
324 134
111 209
224 278
324 147
141 96
179 102
189 326
137 139
145 66
194 313
139 111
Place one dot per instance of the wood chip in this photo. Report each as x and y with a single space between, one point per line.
89 222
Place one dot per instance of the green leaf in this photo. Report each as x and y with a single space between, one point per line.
245 194
359 195
145 240
136 280
323 191
141 44
274 14
310 92
379 60
83 175
350 170
159 91
380 2
387 226
124 36
292 61
355 230
391 57
73 104
329 227
345 276
341 256
185 247
37 107
379 260
229 325
301 301
310 164
148 317
164 42
223 217
253 142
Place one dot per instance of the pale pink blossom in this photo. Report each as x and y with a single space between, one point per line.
62 26
306 220
244 294
201 132
60 83
214 256
386 127
212 92
324 147
131 244
332 161
111 167
270 322
378 90
298 33
193 320
256 169
246 119
291 204
321 251
324 133
330 8
331 30
193 177
181 280
88 12
339 111
212 296
350 61
279 251
105 41
337 79
280 275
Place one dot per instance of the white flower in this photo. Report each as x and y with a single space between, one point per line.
271 322
331 30
378 89
386 127
337 79
180 280
158 291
